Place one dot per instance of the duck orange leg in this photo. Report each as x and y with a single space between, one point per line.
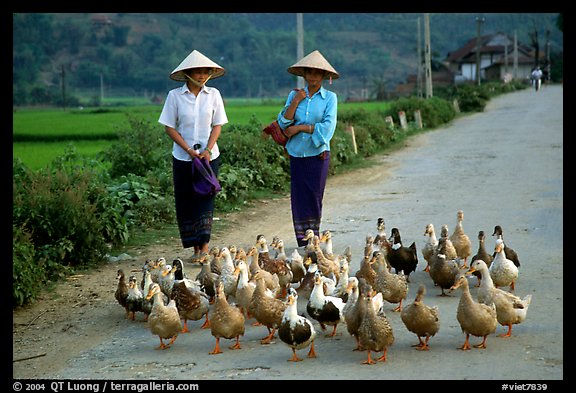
162 345
420 344
333 331
268 338
185 326
424 346
206 323
236 344
312 351
294 357
369 360
216 349
383 357
165 346
466 345
482 345
172 340
508 333
399 308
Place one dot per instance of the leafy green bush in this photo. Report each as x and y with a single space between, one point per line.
139 203
55 208
244 147
434 111
471 99
141 147
28 274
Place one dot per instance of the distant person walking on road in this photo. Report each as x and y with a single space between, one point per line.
193 116
536 78
309 120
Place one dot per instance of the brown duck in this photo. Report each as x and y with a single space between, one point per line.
267 310
421 319
226 321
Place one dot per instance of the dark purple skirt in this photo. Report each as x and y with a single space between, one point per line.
194 213
308 181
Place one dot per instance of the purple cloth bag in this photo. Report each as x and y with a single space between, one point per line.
205 181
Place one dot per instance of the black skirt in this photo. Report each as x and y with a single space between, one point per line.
194 213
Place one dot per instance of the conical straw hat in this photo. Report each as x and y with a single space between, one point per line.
195 60
314 60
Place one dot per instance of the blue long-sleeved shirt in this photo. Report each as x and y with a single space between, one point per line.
319 110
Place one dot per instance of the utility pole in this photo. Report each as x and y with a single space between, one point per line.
427 55
300 44
101 88
506 57
479 21
419 60
63 79
515 55
548 67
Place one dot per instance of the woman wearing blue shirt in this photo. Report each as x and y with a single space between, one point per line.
309 120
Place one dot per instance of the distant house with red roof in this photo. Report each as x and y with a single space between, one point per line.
497 59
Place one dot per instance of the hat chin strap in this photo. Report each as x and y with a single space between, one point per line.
195 82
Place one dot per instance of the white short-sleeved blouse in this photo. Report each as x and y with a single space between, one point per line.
193 117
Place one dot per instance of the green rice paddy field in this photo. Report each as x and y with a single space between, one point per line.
41 135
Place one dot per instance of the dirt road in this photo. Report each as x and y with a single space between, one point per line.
501 167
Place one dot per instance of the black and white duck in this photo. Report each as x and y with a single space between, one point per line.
481 254
296 331
510 253
327 310
401 258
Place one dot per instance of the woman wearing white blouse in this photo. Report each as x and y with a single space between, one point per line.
193 116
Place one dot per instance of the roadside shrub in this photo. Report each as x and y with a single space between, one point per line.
138 203
55 208
244 147
237 185
434 111
139 148
341 151
28 274
471 99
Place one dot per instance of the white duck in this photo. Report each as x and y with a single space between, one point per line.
510 309
227 276
296 263
342 285
328 248
381 239
502 270
245 288
450 250
430 245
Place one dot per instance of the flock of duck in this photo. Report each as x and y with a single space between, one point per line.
235 286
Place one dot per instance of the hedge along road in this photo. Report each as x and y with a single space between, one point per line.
501 167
